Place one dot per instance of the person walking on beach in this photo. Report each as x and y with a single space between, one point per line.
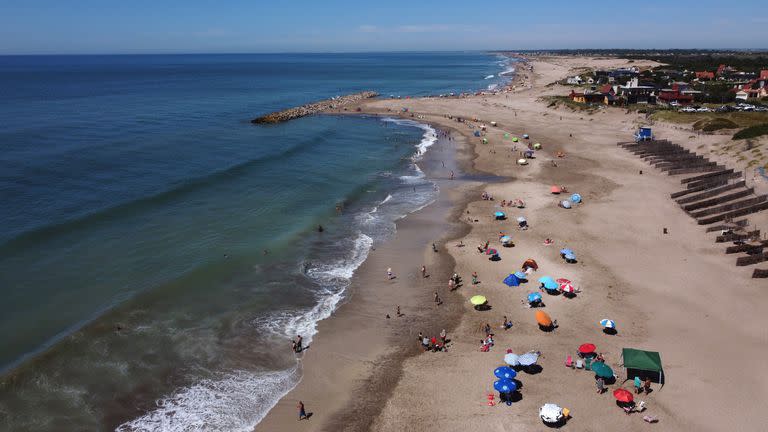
451 284
389 273
474 278
437 299
423 271
600 383
398 312
302 411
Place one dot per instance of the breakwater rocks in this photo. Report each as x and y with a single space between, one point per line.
313 108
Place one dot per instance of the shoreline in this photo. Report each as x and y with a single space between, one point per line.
662 289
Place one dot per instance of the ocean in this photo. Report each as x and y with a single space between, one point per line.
158 252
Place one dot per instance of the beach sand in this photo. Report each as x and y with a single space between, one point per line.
675 293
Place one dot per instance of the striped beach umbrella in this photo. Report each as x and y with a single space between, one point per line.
608 323
567 288
563 281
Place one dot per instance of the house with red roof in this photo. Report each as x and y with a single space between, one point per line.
705 75
675 96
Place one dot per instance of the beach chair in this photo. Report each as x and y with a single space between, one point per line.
650 419
569 362
579 364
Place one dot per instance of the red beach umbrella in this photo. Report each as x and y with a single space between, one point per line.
555 190
587 348
623 395
491 252
567 288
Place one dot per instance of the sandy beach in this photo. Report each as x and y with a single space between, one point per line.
675 293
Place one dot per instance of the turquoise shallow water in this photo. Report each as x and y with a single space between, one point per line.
138 203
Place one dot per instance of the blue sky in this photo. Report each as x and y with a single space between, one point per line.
163 26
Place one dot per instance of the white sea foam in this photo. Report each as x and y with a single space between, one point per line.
389 197
489 77
428 139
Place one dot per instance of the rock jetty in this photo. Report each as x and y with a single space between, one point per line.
313 108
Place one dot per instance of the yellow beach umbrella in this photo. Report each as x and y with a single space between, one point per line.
478 300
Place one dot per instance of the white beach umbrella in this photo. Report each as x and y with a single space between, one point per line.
511 359
529 358
551 413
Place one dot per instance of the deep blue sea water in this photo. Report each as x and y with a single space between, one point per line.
155 246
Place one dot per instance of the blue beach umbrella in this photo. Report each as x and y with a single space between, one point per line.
525 136
505 239
534 297
570 257
520 275
500 214
504 373
545 279
576 198
608 323
566 252
551 286
504 386
512 280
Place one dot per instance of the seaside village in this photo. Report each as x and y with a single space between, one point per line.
689 91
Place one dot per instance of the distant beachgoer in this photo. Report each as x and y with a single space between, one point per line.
474 278
443 336
389 273
600 383
487 329
299 342
507 324
421 336
451 284
302 411
451 175
647 385
425 343
423 271
638 385
320 228
486 245
434 247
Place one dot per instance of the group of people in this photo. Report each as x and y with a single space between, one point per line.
487 342
513 203
433 343
486 196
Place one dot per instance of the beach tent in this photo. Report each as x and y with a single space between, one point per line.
512 280
537 146
642 363
543 319
576 198
530 263
555 189
534 297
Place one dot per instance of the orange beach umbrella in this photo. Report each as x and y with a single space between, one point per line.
623 395
555 189
530 262
543 319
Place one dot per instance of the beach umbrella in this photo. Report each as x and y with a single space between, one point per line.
537 146
567 288
566 204
515 139
576 198
525 136
528 359
504 386
550 413
512 280
587 348
551 285
563 281
543 319
534 297
602 370
478 300
504 372
506 135
520 275
623 395
570 257
511 359
521 219
500 214
530 262
546 279
491 251
608 323
522 162
505 239
528 153
566 252
555 189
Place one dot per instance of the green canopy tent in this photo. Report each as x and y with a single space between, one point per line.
643 364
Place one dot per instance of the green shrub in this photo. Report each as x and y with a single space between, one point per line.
713 124
752 132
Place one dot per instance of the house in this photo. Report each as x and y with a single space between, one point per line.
705 76
741 94
605 96
675 96
575 80
764 74
634 93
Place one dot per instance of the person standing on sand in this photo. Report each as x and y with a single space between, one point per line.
389 273
600 383
443 336
451 284
302 411
474 278
423 271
